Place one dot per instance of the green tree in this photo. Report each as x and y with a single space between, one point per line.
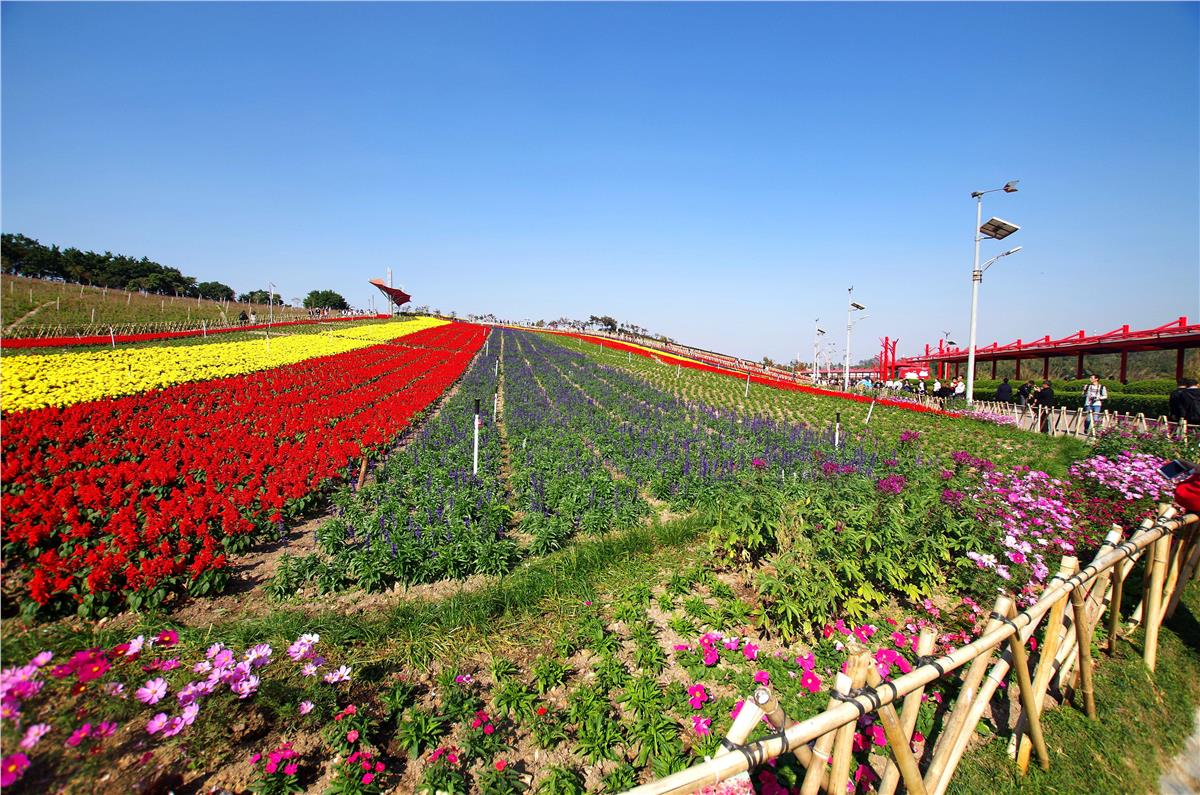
325 299
259 297
215 291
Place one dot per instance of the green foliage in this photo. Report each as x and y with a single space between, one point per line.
561 781
500 782
598 738
418 730
622 778
325 299
514 698
548 673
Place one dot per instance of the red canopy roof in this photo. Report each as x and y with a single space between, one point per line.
398 296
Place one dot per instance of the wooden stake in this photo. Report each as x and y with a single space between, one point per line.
839 773
1083 638
1114 608
1154 600
817 776
1180 550
1020 662
909 712
362 474
1185 575
1051 637
897 738
775 715
953 725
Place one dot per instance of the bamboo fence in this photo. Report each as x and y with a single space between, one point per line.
1069 610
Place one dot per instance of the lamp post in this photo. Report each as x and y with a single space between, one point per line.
270 302
820 332
851 308
996 229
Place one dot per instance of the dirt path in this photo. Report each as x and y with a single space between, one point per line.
1182 776
26 316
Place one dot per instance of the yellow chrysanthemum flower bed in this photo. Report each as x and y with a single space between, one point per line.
34 381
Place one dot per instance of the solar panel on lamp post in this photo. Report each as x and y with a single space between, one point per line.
853 307
996 229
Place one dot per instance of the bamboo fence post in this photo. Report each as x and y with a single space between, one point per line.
743 724
902 754
909 712
817 776
1020 661
1021 746
1180 551
779 720
1165 512
1189 569
1154 600
995 678
1083 639
966 694
839 770
1114 608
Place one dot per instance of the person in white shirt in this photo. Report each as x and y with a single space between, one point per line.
960 389
937 385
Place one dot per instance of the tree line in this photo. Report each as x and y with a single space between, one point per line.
24 256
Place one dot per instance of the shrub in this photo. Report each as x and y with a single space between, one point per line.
1155 386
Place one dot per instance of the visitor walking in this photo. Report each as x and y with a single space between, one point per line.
1004 391
1094 395
1184 402
1025 394
1043 400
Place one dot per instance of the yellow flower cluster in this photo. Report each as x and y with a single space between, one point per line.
35 380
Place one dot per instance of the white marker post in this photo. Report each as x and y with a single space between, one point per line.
112 337
475 458
867 421
495 405
837 430
747 386
204 329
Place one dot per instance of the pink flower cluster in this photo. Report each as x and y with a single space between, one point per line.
369 769
1031 512
484 722
1134 475
279 760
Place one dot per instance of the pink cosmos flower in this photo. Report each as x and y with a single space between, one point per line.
41 658
79 734
168 637
12 768
306 707
188 716
762 677
700 725
106 729
732 643
34 735
807 661
750 651
153 691
340 675
156 724
810 682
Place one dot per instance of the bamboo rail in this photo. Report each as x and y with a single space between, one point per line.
1007 633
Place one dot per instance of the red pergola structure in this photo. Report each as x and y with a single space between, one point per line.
1178 335
394 294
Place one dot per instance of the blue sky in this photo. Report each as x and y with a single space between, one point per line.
720 173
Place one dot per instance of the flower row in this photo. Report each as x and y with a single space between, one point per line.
63 379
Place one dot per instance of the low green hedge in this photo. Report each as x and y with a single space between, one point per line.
1155 386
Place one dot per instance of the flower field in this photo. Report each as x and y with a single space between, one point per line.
36 381
123 501
642 545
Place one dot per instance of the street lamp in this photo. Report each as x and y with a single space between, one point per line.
853 307
996 229
820 332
